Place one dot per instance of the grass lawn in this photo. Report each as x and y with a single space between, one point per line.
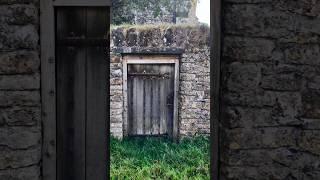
158 158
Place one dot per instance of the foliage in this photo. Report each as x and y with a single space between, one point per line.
123 10
159 158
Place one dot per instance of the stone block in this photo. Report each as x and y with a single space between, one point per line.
305 7
19 37
260 20
116 105
20 137
287 110
118 37
115 81
302 54
187 77
115 59
247 49
247 117
21 116
19 158
26 173
116 98
116 73
311 104
116 118
314 82
310 141
310 124
243 77
19 62
266 172
131 37
20 82
20 14
251 98
25 98
274 137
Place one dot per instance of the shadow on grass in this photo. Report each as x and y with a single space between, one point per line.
159 158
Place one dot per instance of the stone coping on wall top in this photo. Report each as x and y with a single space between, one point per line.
141 50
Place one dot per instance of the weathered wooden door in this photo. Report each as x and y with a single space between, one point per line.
81 71
150 99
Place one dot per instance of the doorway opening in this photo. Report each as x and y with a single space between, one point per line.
151 84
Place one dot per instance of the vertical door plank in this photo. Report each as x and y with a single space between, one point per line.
140 100
147 102
71 112
134 105
70 101
79 126
71 22
96 138
97 22
155 103
131 98
96 141
170 83
163 101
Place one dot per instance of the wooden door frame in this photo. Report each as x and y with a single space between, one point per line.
215 81
152 59
48 79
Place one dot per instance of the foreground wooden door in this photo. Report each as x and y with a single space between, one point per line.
81 73
150 99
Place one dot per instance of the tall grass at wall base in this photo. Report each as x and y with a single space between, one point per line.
159 158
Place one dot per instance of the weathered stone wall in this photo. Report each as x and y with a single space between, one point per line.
271 90
270 97
193 42
20 133
153 11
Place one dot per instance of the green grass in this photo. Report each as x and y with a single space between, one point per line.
159 158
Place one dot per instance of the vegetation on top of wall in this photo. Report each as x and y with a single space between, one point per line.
158 158
158 26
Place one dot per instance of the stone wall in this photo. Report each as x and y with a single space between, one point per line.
20 133
271 90
194 92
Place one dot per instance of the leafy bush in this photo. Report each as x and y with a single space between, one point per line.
159 158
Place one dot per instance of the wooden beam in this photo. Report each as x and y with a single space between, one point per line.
48 90
152 58
175 132
146 61
125 96
215 51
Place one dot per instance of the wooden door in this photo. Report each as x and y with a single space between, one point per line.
81 71
150 99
